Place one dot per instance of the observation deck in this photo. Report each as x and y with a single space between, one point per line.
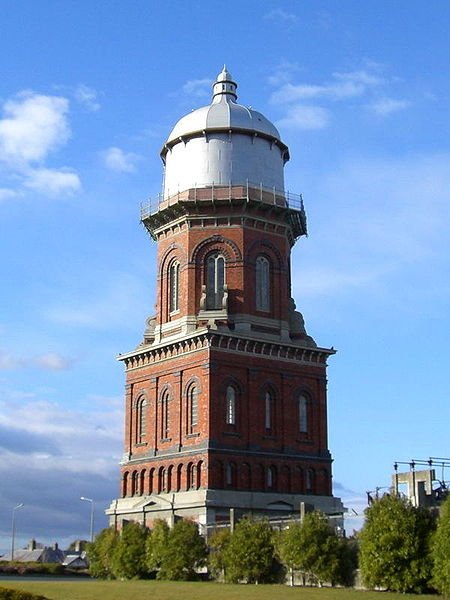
159 211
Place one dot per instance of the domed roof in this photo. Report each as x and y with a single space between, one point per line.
224 113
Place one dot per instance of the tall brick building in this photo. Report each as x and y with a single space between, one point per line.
226 402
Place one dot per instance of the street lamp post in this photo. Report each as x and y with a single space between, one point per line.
13 528
92 515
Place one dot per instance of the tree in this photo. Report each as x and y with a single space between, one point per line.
441 551
185 551
314 548
128 560
100 553
218 544
249 555
395 545
156 544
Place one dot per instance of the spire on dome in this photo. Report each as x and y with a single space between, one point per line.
224 88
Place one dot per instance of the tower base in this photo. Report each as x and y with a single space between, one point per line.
215 508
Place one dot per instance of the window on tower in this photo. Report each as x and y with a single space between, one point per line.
174 286
268 410
192 398
141 420
303 414
165 415
215 281
262 284
230 417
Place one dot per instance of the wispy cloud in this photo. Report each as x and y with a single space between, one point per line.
8 362
390 215
6 194
387 106
51 361
346 85
198 88
33 126
283 73
87 96
121 296
116 159
278 15
309 105
304 116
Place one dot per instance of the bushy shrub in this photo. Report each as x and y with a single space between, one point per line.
395 545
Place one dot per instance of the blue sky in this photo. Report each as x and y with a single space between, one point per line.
88 94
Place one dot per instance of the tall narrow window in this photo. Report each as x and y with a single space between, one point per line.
302 415
230 475
270 480
165 415
141 420
192 408
191 476
231 406
174 286
262 284
268 409
215 280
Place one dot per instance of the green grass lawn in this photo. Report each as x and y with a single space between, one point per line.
168 590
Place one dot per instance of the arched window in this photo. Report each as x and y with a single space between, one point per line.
174 286
268 410
230 406
230 475
165 415
192 398
262 284
302 414
141 420
191 477
270 478
310 481
215 281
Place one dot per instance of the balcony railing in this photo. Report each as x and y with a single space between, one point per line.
248 191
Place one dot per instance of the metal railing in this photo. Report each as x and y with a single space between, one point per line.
247 191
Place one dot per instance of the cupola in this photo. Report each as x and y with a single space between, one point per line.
223 143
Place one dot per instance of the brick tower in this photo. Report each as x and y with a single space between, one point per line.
226 402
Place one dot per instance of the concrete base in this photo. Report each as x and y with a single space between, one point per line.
211 508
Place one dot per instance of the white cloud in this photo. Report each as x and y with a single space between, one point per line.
348 85
52 181
281 16
305 117
87 96
33 126
50 361
197 88
361 76
283 73
387 106
53 362
117 160
6 193
8 362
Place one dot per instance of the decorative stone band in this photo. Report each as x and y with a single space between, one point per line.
146 355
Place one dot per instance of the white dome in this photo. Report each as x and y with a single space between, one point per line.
223 143
224 113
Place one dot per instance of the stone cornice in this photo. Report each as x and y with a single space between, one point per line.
224 342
